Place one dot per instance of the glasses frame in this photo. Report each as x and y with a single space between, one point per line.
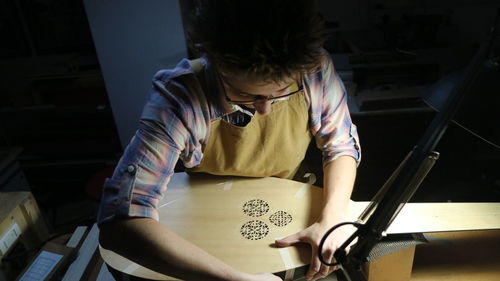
258 98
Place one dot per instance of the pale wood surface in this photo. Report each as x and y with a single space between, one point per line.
208 211
392 267
436 217
458 256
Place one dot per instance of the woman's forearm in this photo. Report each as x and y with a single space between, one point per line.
152 245
339 176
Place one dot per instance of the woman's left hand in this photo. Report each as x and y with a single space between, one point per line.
312 235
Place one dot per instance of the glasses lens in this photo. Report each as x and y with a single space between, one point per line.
293 90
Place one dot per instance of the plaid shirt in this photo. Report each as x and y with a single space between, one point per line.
175 124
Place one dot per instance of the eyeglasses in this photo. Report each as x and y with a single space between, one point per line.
258 98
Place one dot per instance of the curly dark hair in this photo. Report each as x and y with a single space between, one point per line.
271 39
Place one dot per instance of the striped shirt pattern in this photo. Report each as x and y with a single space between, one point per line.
175 124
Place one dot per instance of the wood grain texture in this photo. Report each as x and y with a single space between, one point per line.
208 211
458 256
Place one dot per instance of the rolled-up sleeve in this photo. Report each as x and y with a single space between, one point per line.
140 178
331 122
168 130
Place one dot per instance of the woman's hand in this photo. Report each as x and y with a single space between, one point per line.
312 235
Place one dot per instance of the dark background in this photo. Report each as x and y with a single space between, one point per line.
55 109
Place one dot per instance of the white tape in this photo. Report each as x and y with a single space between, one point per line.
289 274
228 185
131 268
302 191
287 261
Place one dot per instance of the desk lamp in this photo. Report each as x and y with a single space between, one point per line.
453 99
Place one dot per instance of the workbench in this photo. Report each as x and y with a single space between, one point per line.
237 220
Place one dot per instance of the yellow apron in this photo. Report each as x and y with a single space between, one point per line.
270 145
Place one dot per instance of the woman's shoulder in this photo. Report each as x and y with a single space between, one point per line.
181 90
184 67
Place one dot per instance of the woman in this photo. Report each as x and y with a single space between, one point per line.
249 106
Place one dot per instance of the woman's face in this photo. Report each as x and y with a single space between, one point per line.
247 88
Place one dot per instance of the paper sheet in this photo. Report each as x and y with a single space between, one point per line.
41 266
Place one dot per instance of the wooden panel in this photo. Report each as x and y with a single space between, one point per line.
208 211
458 256
434 217
392 267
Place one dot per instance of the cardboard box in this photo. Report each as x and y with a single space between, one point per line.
20 222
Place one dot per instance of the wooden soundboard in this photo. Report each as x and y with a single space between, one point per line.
238 219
